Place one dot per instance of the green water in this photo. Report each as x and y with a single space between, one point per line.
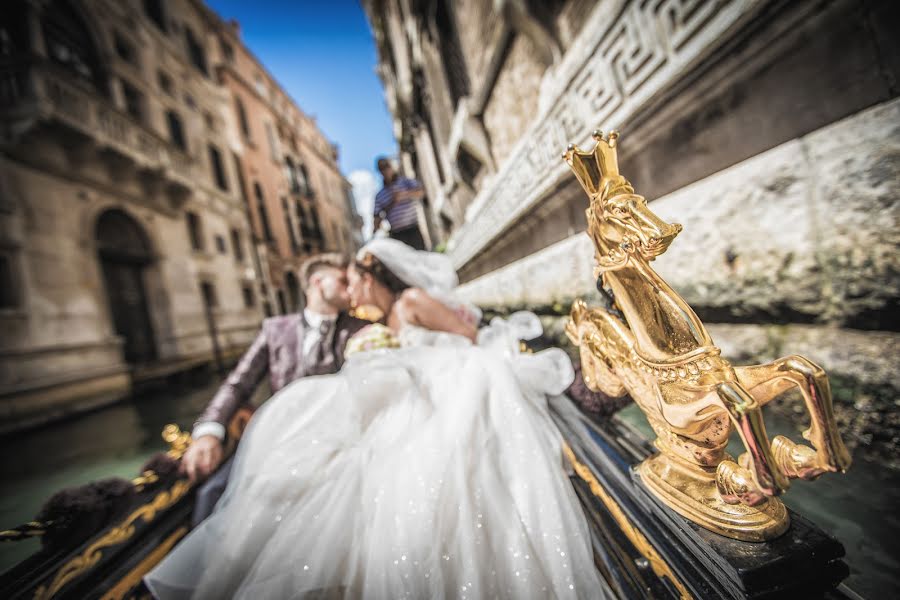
112 442
858 508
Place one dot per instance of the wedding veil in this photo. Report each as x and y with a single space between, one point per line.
429 271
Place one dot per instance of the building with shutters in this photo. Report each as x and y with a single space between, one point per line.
299 202
126 254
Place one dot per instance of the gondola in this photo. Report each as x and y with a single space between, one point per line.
641 550
98 540
677 517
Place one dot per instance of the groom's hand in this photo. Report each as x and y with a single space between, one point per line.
202 457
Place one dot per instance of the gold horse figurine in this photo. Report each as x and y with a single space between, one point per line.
650 344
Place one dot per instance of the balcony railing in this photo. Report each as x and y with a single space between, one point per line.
40 91
300 190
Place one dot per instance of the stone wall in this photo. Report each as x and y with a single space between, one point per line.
804 233
514 99
770 129
705 96
474 20
59 352
791 252
103 271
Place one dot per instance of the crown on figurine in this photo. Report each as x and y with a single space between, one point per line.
598 170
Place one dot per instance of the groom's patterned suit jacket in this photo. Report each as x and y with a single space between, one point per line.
278 352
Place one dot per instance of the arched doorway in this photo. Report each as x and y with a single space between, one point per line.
125 253
293 287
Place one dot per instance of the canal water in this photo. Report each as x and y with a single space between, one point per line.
859 508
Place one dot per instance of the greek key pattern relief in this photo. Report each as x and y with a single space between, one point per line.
636 52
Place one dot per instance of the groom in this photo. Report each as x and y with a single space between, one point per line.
286 348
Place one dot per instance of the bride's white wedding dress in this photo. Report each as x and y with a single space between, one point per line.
432 470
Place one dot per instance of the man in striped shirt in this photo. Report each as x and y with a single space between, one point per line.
396 203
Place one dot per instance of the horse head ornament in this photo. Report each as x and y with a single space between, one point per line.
651 345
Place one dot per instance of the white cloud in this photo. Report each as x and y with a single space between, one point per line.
365 186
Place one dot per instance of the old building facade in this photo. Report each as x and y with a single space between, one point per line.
125 248
298 200
768 129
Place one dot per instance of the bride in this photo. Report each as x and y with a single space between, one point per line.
428 467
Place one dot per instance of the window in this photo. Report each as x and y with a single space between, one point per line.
215 162
220 244
273 143
134 101
315 219
263 213
13 36
209 120
9 295
292 176
209 294
236 245
154 11
242 118
451 51
195 231
304 180
249 296
195 51
190 102
312 230
295 244
242 188
176 133
446 223
227 52
165 83
469 167
69 43
260 85
125 50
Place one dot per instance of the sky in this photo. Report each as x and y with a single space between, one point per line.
323 54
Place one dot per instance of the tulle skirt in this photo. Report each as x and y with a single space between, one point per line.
420 472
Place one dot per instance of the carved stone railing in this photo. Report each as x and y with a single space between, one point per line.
41 89
627 52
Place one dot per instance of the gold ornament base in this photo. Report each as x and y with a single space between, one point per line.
690 490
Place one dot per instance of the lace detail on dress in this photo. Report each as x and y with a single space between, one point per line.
371 337
380 337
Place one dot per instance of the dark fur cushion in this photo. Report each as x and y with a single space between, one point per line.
596 403
164 465
74 514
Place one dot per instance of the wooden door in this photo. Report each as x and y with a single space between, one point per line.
128 304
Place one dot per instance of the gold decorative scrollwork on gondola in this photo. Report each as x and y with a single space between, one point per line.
637 539
116 535
178 443
650 344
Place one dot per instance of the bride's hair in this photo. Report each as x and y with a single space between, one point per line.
370 264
